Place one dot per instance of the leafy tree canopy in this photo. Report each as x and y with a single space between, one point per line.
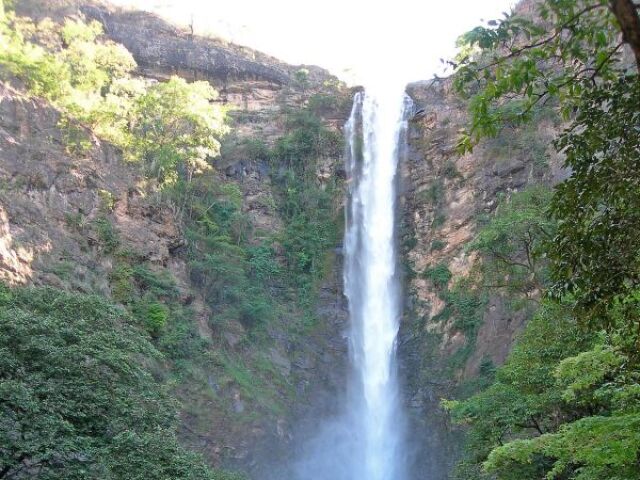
512 242
565 405
574 53
562 50
78 398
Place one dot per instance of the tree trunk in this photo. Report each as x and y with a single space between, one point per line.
626 12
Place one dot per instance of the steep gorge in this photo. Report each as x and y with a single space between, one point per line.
452 331
245 406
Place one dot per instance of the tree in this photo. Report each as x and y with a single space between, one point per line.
512 243
77 396
176 128
514 64
572 52
604 443
525 399
585 400
173 128
595 254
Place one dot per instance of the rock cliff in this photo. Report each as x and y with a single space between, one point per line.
61 211
446 196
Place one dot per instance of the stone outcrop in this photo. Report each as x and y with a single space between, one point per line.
51 199
161 48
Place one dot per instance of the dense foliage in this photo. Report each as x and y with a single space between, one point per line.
78 394
512 243
566 403
307 207
250 275
518 63
595 256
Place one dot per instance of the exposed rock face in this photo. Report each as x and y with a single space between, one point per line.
245 77
161 49
444 195
50 200
51 203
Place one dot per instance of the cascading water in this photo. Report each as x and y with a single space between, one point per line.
366 441
371 278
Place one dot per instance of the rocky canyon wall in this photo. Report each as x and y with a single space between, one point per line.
453 331
61 211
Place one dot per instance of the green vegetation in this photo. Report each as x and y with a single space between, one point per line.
566 393
78 396
107 235
222 258
434 196
530 142
516 64
438 274
466 304
512 243
595 255
438 244
450 171
312 221
434 193
172 127
566 403
249 276
175 129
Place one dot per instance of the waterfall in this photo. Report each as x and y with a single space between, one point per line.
365 442
375 133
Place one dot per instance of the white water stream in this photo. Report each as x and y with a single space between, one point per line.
366 440
376 136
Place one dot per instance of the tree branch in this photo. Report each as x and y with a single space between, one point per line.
517 52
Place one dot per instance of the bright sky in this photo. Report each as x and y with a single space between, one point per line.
358 40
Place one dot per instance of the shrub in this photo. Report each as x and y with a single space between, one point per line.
302 78
438 220
256 149
155 318
466 306
263 263
433 194
120 279
438 245
321 104
107 235
438 274
255 309
77 385
107 200
450 171
160 284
